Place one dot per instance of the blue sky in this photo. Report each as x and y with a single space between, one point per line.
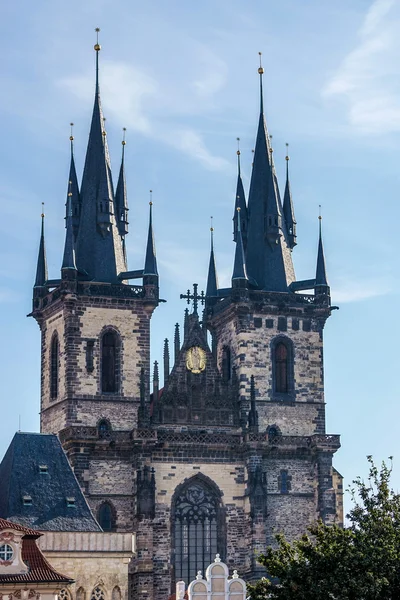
182 78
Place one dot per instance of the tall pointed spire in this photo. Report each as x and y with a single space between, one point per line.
288 209
177 342
240 202
239 265
121 199
268 256
166 361
212 279
99 252
69 250
320 277
73 189
41 269
150 263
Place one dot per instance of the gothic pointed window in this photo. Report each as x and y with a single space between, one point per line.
109 362
198 528
281 368
226 363
105 517
54 357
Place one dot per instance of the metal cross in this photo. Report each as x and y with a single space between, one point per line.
195 297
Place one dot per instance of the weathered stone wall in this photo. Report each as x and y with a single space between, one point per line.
92 559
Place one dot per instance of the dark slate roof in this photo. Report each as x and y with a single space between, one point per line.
20 477
212 278
40 570
150 261
320 277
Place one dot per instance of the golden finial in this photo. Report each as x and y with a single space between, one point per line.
42 215
123 139
238 150
260 68
287 151
238 209
211 227
70 184
151 198
270 140
252 161
97 46
319 216
71 137
104 127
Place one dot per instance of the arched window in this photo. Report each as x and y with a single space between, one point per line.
64 595
109 362
54 357
81 594
226 364
97 593
105 517
282 366
116 593
198 527
104 428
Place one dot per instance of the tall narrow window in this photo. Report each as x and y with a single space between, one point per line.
54 357
109 375
105 517
226 363
197 529
281 368
284 480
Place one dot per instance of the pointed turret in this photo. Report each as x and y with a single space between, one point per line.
150 263
68 263
73 189
268 256
99 252
166 360
288 209
212 278
121 200
177 342
321 281
41 269
240 202
239 275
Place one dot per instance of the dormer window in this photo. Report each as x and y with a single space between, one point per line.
71 502
43 469
6 553
27 500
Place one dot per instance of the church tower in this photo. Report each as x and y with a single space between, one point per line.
95 326
232 447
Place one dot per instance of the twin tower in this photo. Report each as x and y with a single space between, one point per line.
233 448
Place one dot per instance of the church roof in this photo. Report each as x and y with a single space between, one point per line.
40 570
38 487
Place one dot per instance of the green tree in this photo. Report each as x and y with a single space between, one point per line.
359 562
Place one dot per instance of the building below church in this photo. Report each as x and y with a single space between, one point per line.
233 448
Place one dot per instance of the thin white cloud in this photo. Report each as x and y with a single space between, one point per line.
132 98
355 291
367 81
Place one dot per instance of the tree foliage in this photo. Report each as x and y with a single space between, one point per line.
359 562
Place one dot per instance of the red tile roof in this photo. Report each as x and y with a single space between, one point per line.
40 570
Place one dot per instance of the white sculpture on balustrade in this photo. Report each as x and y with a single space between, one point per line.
216 585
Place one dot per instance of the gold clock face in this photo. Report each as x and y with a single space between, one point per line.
195 359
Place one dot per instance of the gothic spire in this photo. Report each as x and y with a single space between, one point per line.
288 209
99 252
320 277
240 202
268 256
69 250
73 189
177 342
239 265
212 279
41 269
166 360
121 199
150 263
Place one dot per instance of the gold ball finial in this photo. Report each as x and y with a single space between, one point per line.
71 137
42 215
287 151
319 216
211 228
238 209
97 46
151 198
260 68
123 139
238 150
